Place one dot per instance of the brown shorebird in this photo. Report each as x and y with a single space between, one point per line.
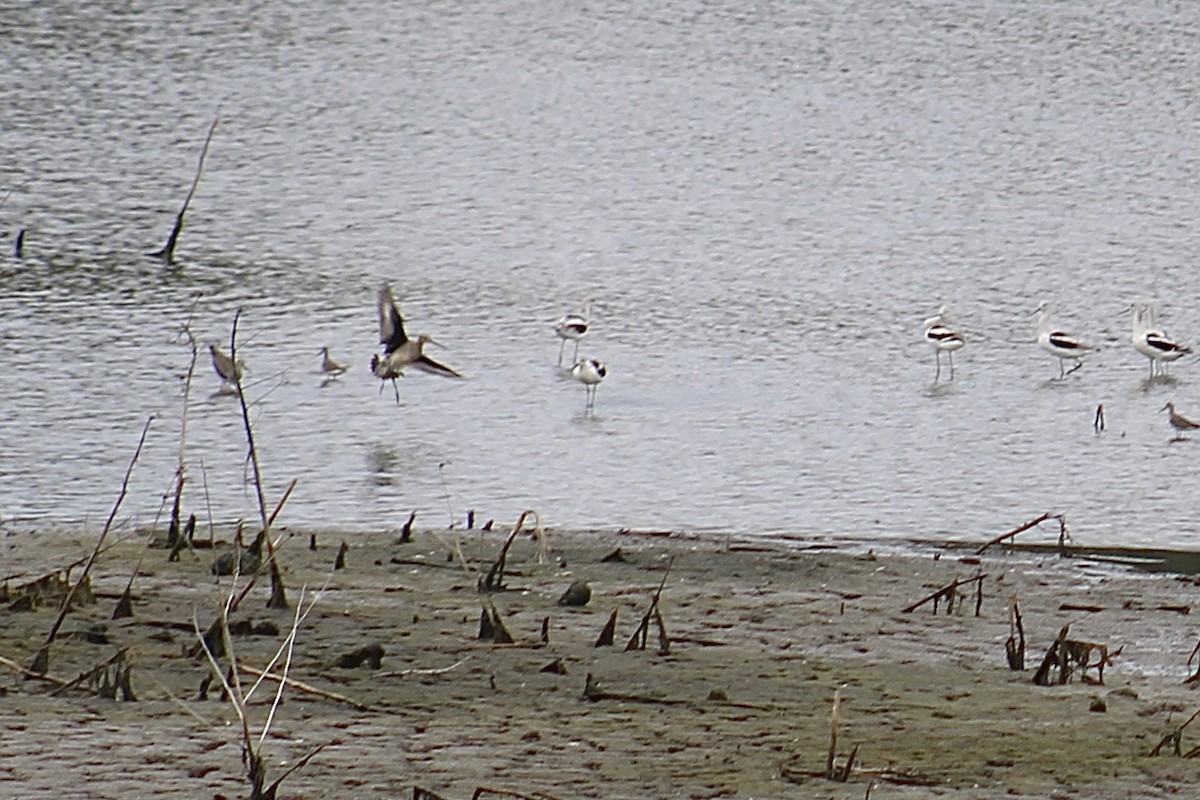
399 351
229 372
573 327
330 367
943 338
1179 422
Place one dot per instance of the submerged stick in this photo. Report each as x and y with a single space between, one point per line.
167 253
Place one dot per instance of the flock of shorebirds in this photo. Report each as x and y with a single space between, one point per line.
1146 337
400 351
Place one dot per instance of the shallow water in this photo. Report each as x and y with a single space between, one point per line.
765 201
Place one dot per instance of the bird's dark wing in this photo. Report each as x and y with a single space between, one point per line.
391 324
1163 344
427 364
1064 341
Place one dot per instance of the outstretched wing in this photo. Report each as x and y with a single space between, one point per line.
391 324
427 364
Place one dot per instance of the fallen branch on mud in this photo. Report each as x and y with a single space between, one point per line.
1068 655
306 688
1175 740
950 594
25 672
1063 536
593 692
106 678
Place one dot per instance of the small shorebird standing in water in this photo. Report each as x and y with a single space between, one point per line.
589 372
1179 422
575 327
330 367
1059 343
398 350
1152 342
226 370
942 338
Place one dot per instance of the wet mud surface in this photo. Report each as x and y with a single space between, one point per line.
760 633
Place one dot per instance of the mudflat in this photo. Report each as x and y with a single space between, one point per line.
728 694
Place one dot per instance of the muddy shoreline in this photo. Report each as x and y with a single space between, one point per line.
761 634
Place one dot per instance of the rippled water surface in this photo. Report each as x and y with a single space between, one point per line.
765 201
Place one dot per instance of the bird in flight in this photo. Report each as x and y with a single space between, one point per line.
399 351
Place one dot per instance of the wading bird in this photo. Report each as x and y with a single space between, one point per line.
330 367
1153 343
228 372
574 327
1059 343
589 372
943 339
1179 422
398 350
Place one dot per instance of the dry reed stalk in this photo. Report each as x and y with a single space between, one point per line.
41 660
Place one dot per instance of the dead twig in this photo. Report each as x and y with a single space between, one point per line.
483 791
28 673
1014 647
593 692
640 635
306 688
41 660
1019 529
1068 655
433 671
1175 739
167 253
950 594
494 580
278 597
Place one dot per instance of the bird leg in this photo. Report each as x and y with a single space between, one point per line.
561 347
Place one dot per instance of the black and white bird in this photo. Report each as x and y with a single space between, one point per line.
944 340
1151 342
573 327
399 351
1179 422
590 372
1059 343
229 372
